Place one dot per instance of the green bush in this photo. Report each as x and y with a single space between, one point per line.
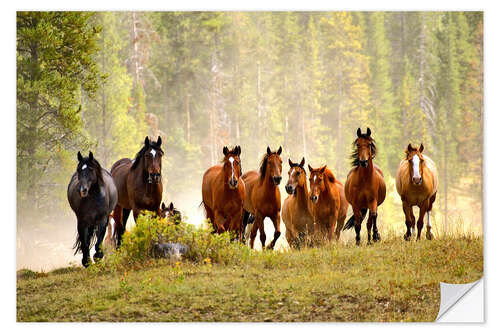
204 246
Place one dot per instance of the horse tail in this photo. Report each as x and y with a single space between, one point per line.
350 223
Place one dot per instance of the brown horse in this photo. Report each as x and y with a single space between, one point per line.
365 186
223 193
328 205
416 182
296 216
139 184
263 197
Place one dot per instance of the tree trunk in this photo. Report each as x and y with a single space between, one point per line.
188 119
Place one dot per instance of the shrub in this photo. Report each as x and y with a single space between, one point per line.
137 245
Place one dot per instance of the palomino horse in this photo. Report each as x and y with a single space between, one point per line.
328 205
296 216
263 197
139 184
365 186
92 195
223 193
416 182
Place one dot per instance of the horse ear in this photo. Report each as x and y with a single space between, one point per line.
268 150
146 141
302 162
310 169
158 142
225 150
91 156
359 132
238 150
410 148
322 169
368 131
80 157
279 151
290 163
421 149
163 207
171 206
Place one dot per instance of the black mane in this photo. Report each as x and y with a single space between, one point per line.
354 154
143 150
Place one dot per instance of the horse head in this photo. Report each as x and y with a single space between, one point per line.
416 162
365 149
317 178
232 166
296 176
152 154
271 166
89 173
170 212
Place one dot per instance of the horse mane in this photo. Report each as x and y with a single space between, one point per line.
141 153
354 154
94 164
329 176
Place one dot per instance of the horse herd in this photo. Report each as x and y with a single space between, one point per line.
239 202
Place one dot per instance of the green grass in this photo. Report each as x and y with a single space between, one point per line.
390 281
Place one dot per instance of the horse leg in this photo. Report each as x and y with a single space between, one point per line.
255 226
120 231
407 211
101 231
219 222
340 225
420 222
262 234
277 233
429 234
357 227
84 244
244 221
369 223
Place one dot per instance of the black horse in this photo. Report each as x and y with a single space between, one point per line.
92 195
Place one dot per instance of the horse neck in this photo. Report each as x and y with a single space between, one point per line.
367 172
302 194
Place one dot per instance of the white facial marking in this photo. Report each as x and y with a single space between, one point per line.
293 170
153 152
416 166
231 159
84 167
314 177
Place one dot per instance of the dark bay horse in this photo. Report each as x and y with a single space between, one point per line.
263 197
328 205
223 193
416 183
139 184
170 213
365 187
92 195
296 215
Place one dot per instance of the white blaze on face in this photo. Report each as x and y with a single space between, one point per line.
314 177
231 159
84 167
153 152
416 166
293 170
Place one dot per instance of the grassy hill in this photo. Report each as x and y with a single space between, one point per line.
390 281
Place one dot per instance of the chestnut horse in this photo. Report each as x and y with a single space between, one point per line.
263 197
296 216
365 187
139 184
223 193
416 182
328 205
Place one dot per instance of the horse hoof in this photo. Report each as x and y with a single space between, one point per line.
358 243
407 237
429 235
376 238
